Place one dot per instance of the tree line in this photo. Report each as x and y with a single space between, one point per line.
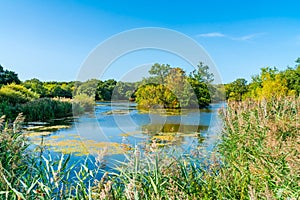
165 87
270 83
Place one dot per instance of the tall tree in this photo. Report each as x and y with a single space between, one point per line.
7 77
236 89
161 71
202 74
36 86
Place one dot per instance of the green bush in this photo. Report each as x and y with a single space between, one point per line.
45 109
83 102
16 94
8 110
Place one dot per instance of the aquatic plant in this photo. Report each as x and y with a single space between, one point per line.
258 158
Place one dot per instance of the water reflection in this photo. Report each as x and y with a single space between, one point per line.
113 123
173 128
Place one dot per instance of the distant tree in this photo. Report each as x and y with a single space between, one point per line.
201 81
202 74
292 76
105 89
7 77
35 85
16 94
298 62
272 87
89 88
269 84
161 71
153 96
174 89
236 90
178 83
123 90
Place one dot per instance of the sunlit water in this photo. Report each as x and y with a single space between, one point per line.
119 127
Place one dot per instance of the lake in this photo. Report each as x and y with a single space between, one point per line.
119 127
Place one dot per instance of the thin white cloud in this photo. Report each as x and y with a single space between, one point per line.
213 34
222 35
248 37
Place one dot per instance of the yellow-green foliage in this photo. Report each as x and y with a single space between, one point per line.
83 102
269 84
272 87
14 94
152 95
172 88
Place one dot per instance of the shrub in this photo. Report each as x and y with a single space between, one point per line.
16 94
45 109
83 102
8 110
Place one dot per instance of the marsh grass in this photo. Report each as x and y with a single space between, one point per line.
26 174
258 158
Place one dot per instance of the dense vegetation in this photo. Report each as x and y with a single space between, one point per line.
258 158
171 88
167 87
26 174
269 83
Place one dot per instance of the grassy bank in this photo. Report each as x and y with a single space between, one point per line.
258 158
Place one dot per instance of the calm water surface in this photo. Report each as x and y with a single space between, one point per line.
119 127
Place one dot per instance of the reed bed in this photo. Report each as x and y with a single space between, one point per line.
257 158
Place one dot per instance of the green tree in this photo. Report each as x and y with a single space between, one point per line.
292 76
36 86
269 84
236 90
89 88
153 96
7 77
202 74
175 89
177 82
16 94
160 71
124 90
105 89
201 91
201 80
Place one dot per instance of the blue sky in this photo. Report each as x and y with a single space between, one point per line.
50 40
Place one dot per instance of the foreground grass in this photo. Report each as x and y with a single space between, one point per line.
258 158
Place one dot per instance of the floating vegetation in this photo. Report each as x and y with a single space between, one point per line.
81 147
36 134
56 136
34 128
74 135
117 112
85 147
47 128
164 137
